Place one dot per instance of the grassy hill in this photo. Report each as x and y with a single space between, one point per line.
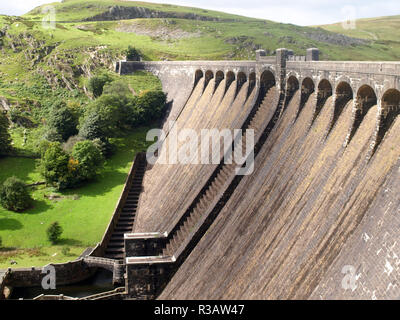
382 31
176 32
44 64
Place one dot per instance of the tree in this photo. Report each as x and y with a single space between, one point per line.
152 104
96 83
54 232
62 121
89 160
14 195
132 54
104 117
5 138
54 166
93 126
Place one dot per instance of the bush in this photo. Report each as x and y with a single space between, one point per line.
96 83
69 145
5 138
118 87
52 135
42 147
14 195
146 108
106 148
132 54
1 243
93 126
54 232
62 121
54 166
104 117
153 104
66 251
88 158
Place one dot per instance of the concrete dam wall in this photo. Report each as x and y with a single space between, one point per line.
318 218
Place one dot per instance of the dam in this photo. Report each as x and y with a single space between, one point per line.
317 219
321 198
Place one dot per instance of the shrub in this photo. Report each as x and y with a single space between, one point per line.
54 232
118 87
89 160
62 120
5 138
147 107
106 148
104 117
14 195
1 243
96 83
153 103
132 54
42 147
54 166
93 126
52 135
66 251
69 145
17 117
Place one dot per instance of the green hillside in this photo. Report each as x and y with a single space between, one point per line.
38 63
382 31
176 32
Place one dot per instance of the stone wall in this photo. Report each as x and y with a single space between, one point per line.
66 273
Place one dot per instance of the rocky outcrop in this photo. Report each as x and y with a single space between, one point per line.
63 71
4 104
321 35
125 13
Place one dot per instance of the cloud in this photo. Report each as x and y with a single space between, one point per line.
19 7
305 12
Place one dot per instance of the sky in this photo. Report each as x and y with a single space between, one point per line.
300 12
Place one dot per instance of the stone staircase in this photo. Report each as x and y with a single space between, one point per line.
115 248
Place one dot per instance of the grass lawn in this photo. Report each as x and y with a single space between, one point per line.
83 213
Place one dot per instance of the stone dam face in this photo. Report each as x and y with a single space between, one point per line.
319 216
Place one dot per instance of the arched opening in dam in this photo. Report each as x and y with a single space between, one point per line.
252 83
241 80
389 111
209 76
219 76
291 88
366 98
344 94
198 75
267 81
230 77
324 92
307 89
